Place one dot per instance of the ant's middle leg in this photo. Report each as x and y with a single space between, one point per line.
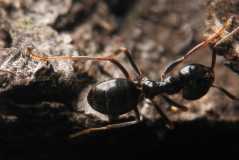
226 92
137 114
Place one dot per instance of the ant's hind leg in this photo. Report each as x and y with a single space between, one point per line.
230 95
37 57
137 114
173 103
102 129
100 58
109 126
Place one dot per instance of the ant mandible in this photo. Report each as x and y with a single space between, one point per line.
213 41
121 95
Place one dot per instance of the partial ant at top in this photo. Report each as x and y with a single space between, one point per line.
215 42
121 95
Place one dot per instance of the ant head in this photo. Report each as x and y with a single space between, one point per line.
197 80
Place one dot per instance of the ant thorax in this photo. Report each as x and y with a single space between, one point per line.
170 85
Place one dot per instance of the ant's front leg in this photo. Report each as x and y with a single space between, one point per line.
213 39
129 57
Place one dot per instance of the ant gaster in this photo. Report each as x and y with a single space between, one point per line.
121 95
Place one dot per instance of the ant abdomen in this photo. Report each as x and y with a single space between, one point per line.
197 80
114 97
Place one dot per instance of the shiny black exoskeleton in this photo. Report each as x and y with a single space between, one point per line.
218 43
114 97
119 96
194 80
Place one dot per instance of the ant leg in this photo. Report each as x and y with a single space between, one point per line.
136 111
130 58
210 40
169 123
173 64
173 103
103 71
214 58
230 95
79 58
112 118
102 129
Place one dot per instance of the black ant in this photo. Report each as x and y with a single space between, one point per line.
214 41
122 95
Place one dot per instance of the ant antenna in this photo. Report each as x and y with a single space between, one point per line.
227 36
